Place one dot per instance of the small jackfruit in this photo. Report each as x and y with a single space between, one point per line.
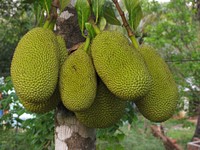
159 104
43 107
63 53
106 110
120 66
34 67
78 81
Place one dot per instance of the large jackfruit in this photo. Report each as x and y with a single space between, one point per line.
106 110
159 104
120 66
78 81
63 53
43 107
35 65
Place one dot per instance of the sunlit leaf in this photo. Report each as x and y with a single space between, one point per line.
90 30
134 12
63 4
97 8
83 10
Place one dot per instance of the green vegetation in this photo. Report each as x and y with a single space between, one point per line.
161 101
120 66
106 110
78 81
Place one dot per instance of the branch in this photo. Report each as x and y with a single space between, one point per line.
52 16
126 25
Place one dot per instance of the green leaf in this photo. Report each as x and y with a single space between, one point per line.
102 23
109 14
63 4
47 5
134 11
90 30
83 11
97 8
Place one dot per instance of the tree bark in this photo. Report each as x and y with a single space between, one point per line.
198 10
197 130
70 134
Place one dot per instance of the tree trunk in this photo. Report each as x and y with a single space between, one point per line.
198 10
70 134
197 130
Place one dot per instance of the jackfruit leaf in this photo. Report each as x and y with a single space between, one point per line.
83 11
63 4
109 14
102 23
47 5
90 30
134 12
97 6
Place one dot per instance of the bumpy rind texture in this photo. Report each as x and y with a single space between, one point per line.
120 66
106 110
43 107
34 68
159 104
63 53
78 81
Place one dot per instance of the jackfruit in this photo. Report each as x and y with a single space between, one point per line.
34 67
63 53
159 104
120 66
106 110
42 107
78 81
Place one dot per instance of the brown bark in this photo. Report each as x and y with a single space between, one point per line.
198 10
197 130
70 134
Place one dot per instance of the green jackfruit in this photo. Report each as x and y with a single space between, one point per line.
34 67
63 53
78 81
106 110
43 107
159 104
120 66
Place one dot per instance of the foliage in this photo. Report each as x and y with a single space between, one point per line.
38 130
15 20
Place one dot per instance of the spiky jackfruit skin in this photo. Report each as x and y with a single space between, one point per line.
43 107
159 104
120 66
78 81
106 110
63 53
34 67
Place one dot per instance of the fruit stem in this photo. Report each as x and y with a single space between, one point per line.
126 25
52 16
96 29
87 43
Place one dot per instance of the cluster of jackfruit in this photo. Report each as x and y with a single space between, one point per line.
95 83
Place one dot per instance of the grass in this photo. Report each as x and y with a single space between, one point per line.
180 129
139 137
